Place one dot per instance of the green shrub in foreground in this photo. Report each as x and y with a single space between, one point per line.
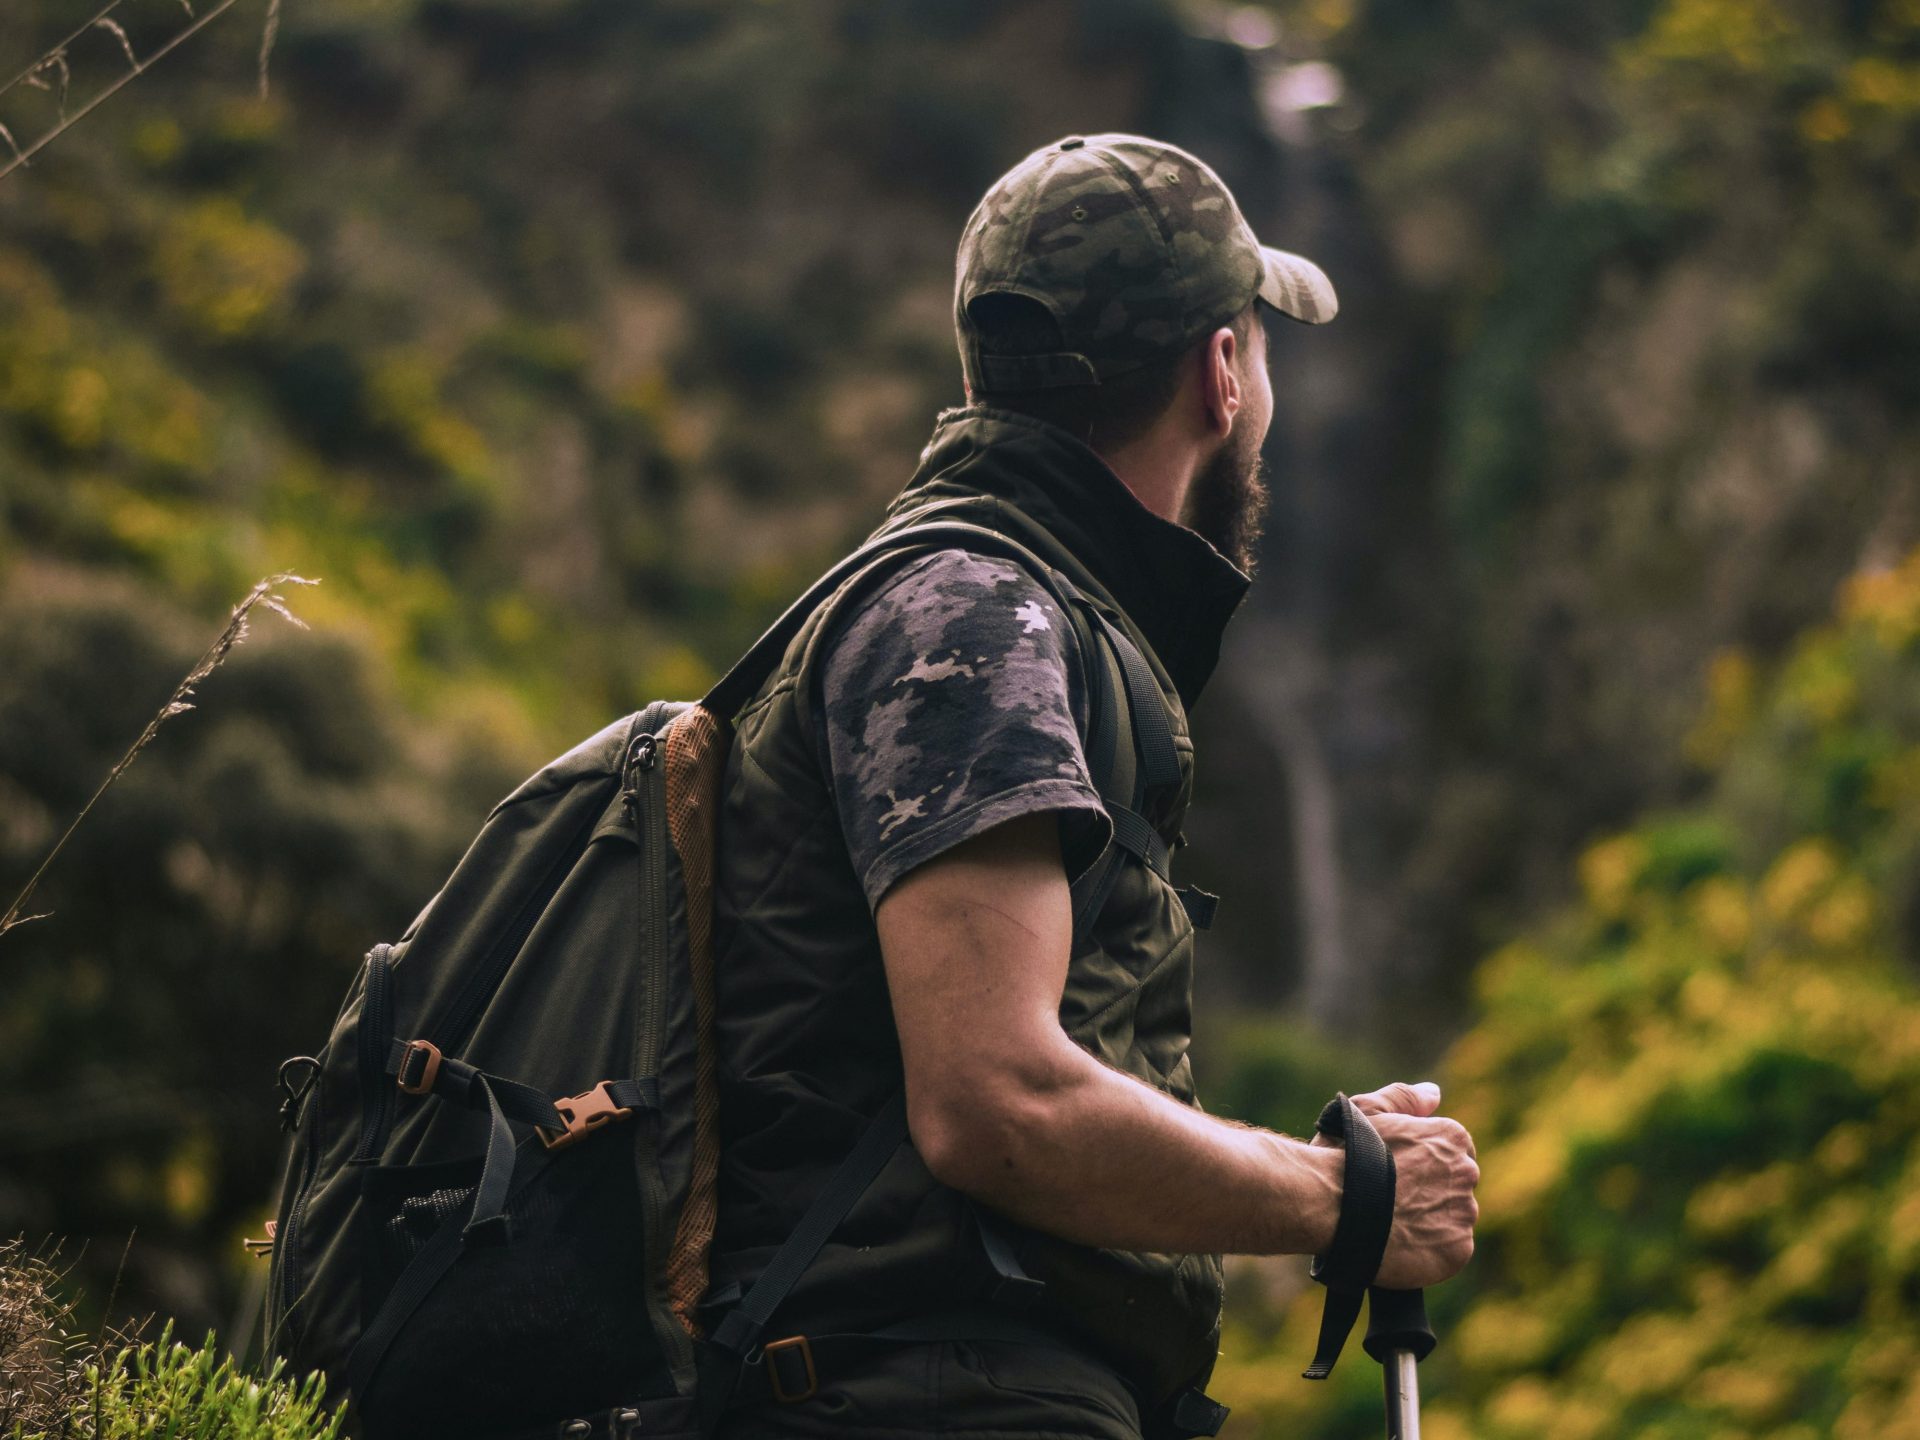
55 1385
167 1390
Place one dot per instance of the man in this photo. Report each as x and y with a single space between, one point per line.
907 807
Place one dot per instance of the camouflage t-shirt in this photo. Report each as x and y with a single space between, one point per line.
952 702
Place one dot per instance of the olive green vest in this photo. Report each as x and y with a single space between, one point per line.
807 1044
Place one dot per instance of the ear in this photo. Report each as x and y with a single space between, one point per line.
1220 389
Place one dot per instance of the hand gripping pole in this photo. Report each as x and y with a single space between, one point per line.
1360 1236
1398 1335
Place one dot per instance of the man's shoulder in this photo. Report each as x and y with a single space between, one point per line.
948 613
950 574
952 702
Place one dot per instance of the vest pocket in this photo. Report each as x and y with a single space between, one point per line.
1017 1387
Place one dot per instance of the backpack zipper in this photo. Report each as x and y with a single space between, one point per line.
286 1257
643 779
645 800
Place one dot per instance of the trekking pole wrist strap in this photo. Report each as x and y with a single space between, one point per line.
1350 1262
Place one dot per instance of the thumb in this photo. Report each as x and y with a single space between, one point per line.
1400 1098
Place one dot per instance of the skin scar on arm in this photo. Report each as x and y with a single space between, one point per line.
968 908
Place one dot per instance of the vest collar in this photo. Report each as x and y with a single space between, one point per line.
1175 587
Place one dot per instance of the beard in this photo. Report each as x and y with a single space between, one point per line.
1227 503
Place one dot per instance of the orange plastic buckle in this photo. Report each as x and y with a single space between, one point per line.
780 1391
583 1115
429 1072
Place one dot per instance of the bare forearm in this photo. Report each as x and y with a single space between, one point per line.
1084 1152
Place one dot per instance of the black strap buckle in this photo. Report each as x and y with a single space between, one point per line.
1195 1413
790 1370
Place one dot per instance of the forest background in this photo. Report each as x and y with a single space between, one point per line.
1569 744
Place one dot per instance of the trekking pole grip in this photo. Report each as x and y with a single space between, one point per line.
1397 1320
1399 1337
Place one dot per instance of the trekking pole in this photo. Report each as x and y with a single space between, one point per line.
1399 1337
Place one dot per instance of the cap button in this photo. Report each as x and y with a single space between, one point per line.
1074 144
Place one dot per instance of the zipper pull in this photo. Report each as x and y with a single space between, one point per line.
640 754
640 759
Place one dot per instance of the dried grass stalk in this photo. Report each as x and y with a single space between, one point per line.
263 594
136 67
43 1364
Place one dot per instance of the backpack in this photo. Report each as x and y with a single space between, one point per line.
499 1196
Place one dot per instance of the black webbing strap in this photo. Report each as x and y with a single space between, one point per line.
463 1084
739 1333
483 1222
1012 1285
1360 1235
416 1282
1108 724
1200 906
1135 834
1112 760
1153 732
1125 772
783 1376
1194 1413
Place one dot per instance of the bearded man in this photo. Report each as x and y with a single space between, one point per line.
922 884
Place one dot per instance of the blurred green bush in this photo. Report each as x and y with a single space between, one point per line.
1696 1097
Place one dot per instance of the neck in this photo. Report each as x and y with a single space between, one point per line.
1159 469
1168 580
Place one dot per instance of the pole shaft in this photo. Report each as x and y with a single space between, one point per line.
1402 1374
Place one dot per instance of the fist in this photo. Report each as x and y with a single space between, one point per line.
1435 1173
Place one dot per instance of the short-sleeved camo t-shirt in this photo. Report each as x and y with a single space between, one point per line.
951 702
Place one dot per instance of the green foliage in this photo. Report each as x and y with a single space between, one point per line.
1769 139
166 1390
57 1385
1696 1098
1651 273
1277 1074
224 275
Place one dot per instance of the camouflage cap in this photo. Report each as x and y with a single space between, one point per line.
1135 246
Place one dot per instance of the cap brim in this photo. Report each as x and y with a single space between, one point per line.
1297 287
